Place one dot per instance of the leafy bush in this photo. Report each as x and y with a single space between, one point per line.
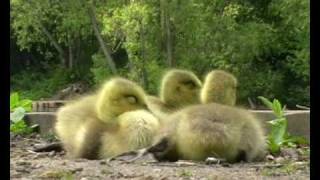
19 108
35 84
279 136
99 68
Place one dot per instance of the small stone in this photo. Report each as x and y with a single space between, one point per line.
102 162
51 154
22 170
279 159
84 178
25 179
12 136
61 153
300 163
212 160
76 170
204 179
40 155
23 163
225 164
289 153
104 171
38 145
80 160
37 166
157 170
148 178
16 175
269 157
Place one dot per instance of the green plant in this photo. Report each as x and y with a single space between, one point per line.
279 135
19 108
15 102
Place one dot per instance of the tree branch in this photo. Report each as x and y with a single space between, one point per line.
96 30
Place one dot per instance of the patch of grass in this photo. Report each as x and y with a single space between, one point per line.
58 174
288 168
185 173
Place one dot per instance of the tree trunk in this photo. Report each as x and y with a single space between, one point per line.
96 30
55 44
70 56
77 52
63 60
169 43
166 31
143 57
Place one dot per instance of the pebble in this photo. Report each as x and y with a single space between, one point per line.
84 178
157 170
38 145
16 175
80 160
148 178
212 160
224 164
22 170
102 162
104 171
279 159
300 163
23 163
37 166
289 153
11 136
51 154
269 157
76 170
40 155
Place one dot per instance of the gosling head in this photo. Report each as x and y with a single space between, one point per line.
118 96
180 88
219 87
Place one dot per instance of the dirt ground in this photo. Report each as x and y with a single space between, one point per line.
26 164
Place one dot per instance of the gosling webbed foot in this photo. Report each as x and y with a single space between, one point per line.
136 155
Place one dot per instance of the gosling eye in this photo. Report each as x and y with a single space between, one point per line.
132 99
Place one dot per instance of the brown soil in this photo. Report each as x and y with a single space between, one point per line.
26 164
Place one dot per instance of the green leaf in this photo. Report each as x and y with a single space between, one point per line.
296 140
14 100
26 104
277 134
266 102
20 127
277 108
273 147
17 115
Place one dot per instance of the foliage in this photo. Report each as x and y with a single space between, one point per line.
19 108
279 136
36 85
264 43
99 68
15 102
